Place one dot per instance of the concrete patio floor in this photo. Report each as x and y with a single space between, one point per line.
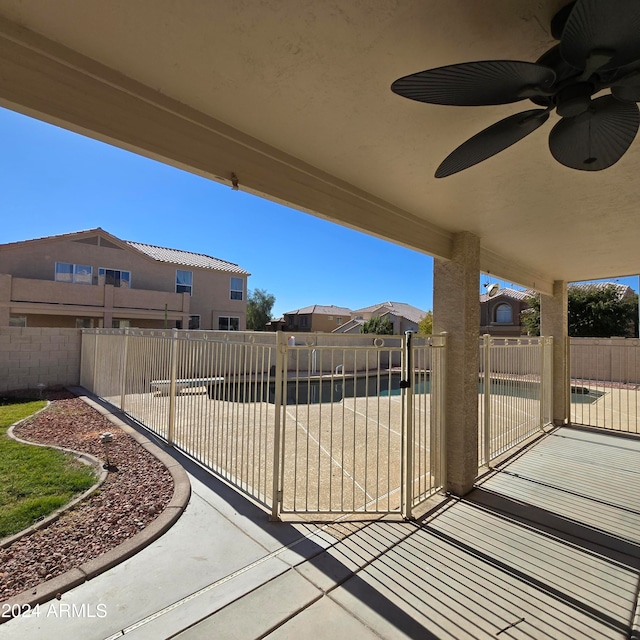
548 546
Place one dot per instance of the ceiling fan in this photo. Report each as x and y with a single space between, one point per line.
599 48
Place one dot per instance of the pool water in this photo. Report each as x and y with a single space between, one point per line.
320 390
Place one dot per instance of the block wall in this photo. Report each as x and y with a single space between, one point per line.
31 355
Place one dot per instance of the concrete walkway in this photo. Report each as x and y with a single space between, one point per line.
547 547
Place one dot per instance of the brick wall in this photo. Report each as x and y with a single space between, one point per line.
29 356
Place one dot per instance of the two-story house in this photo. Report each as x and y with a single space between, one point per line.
94 279
322 318
403 317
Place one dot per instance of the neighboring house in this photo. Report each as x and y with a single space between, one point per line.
351 326
500 313
322 318
278 324
94 279
403 317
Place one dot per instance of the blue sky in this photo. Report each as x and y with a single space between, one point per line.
55 181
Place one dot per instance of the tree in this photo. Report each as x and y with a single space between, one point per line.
378 325
425 326
599 312
530 318
259 305
594 312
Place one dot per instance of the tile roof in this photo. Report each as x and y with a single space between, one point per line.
622 289
514 294
321 309
160 254
411 313
186 258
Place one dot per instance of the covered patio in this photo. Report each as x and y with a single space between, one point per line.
291 101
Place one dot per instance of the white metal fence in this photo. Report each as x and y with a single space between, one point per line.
515 392
605 378
316 423
310 423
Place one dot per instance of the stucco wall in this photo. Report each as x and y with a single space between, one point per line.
29 356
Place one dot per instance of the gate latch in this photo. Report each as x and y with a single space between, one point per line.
404 384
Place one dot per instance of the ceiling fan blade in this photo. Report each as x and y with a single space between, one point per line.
630 93
602 34
598 138
626 84
492 140
486 82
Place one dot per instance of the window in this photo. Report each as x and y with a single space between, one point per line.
338 320
184 281
76 273
116 277
84 323
228 324
120 324
194 322
303 321
18 321
237 288
504 314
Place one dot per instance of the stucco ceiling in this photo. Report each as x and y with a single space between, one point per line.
291 98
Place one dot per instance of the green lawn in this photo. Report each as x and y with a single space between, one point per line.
34 481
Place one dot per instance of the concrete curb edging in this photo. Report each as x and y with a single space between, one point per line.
181 494
86 458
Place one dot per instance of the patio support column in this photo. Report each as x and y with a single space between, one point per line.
456 283
554 321
108 306
5 300
186 300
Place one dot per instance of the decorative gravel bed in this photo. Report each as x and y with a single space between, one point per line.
133 495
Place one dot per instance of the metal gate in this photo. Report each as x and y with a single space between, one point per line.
360 430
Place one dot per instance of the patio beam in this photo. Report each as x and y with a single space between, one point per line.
455 310
48 81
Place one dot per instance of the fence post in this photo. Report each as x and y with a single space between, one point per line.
406 385
83 356
442 404
281 359
567 380
487 398
172 387
95 364
123 370
543 386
